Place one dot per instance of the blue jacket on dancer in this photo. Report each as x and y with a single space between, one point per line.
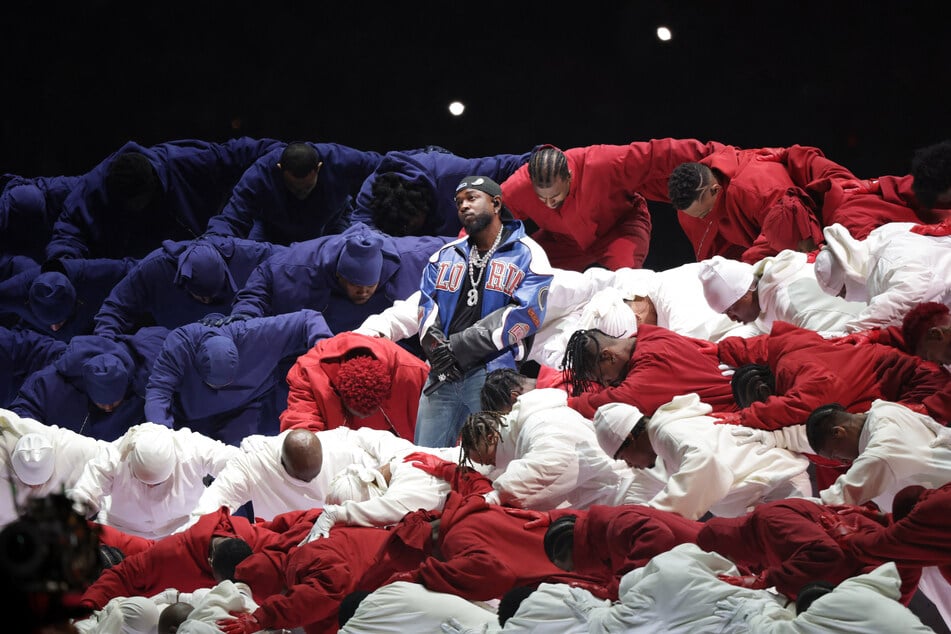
113 213
262 208
23 352
218 380
16 273
96 387
437 172
61 298
181 282
307 275
28 209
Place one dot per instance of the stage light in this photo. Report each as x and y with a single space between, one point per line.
456 108
664 34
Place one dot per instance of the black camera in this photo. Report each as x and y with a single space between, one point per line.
48 557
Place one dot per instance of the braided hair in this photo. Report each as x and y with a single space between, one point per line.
497 390
580 360
546 165
752 383
559 538
478 429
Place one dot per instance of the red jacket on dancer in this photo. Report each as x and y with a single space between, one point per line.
484 550
179 561
314 404
789 543
664 365
811 371
128 544
860 205
314 578
759 212
610 541
604 219
921 538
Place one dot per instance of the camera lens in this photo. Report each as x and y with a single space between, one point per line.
21 553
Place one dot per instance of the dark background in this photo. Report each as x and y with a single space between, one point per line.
866 82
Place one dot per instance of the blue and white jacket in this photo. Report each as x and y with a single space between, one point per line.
514 294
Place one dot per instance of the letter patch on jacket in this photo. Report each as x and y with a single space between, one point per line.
504 277
517 332
449 276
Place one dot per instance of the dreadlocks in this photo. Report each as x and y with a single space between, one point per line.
477 431
498 387
580 360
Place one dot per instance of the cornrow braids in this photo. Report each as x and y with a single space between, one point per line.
579 360
479 428
546 165
497 390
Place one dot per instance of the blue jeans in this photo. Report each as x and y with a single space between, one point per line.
442 413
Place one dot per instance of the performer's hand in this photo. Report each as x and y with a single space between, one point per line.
444 363
452 625
726 418
536 519
726 370
772 154
409 576
918 408
211 319
368 332
241 623
754 582
596 589
866 511
169 595
326 521
857 338
747 435
943 439
253 443
579 602
230 319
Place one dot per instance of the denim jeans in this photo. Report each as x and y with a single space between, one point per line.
442 413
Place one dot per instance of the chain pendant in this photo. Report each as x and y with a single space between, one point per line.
472 297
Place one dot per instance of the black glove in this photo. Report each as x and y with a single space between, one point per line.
218 320
438 351
445 366
230 319
211 319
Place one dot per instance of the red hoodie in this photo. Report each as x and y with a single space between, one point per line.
314 404
484 550
790 543
179 561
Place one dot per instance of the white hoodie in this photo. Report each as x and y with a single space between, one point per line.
893 270
709 471
549 456
788 291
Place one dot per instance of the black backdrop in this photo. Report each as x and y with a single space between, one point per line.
866 84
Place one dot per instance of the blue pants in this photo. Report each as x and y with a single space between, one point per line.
442 413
